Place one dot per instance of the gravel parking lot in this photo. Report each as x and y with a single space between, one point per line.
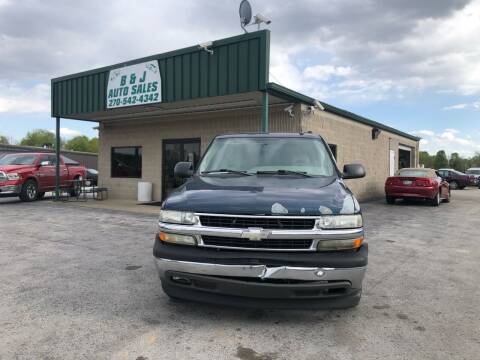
80 283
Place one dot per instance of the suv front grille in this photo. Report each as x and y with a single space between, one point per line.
284 244
260 222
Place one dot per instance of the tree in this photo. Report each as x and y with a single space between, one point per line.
93 144
426 159
440 160
457 162
78 143
4 140
475 161
82 143
39 138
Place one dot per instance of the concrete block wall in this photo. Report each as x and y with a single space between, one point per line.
355 145
150 133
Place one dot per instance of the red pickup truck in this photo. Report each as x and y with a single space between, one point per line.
30 175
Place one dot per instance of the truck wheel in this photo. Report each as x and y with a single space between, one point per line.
390 200
29 191
453 185
75 190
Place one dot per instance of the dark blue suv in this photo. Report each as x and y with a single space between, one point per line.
266 220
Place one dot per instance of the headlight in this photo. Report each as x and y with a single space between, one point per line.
339 222
178 217
177 238
332 245
13 176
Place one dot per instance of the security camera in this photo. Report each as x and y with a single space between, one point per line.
318 105
205 46
259 18
289 110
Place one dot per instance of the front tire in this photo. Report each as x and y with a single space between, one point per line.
75 190
454 185
29 191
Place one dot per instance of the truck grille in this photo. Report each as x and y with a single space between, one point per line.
284 244
260 222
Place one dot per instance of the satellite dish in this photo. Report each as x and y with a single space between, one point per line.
245 12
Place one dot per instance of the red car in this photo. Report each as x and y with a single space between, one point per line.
417 184
30 175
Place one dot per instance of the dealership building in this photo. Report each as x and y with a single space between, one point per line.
156 111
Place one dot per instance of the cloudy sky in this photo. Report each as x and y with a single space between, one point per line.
411 64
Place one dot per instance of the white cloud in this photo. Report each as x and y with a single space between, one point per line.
17 99
450 140
455 107
325 72
474 105
67 133
424 133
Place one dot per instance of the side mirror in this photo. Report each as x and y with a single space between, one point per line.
183 169
353 171
45 163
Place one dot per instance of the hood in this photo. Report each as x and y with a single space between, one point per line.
15 168
263 195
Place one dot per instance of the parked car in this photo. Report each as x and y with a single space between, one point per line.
92 176
457 179
30 175
412 183
265 221
476 174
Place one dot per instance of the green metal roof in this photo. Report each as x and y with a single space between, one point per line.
238 64
291 95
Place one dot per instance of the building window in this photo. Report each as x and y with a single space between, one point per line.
127 162
333 149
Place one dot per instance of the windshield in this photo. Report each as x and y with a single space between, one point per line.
15 159
260 154
417 173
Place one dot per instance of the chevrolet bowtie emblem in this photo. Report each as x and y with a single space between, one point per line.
255 234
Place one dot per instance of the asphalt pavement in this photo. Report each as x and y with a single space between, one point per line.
80 283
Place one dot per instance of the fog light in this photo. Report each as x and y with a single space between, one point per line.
332 245
177 238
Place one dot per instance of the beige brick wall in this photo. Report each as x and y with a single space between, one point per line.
355 145
149 134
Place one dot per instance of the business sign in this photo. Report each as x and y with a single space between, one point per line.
137 84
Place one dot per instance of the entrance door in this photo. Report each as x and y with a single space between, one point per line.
404 156
174 151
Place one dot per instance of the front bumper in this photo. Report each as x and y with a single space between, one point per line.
262 279
10 190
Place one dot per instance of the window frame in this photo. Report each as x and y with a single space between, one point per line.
333 149
138 155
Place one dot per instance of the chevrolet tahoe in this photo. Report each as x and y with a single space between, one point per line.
265 221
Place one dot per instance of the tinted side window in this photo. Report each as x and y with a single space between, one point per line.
126 162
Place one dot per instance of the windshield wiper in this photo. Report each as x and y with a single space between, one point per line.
230 171
284 172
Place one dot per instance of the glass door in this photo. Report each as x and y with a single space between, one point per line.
174 151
